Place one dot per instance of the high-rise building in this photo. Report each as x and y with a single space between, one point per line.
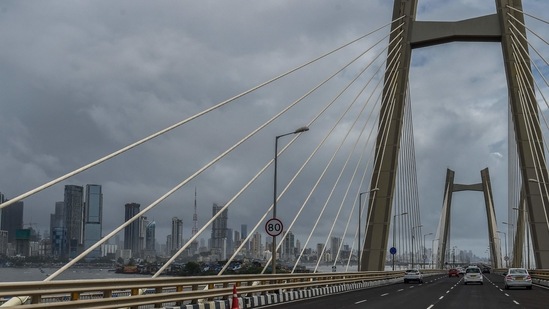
255 246
335 243
58 232
74 215
177 234
219 231
12 219
3 242
288 246
131 232
150 236
93 218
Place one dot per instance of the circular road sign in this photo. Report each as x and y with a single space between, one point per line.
393 250
506 258
274 227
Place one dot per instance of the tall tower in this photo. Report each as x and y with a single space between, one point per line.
93 218
219 231
177 234
194 245
74 216
58 232
131 232
12 219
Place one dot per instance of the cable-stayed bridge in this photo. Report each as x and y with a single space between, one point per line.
352 174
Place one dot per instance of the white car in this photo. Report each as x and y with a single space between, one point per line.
413 275
518 277
473 274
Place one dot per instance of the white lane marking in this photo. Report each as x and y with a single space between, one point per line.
400 290
447 291
506 294
430 307
441 297
384 294
516 302
360 302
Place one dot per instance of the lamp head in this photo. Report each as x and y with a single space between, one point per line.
302 129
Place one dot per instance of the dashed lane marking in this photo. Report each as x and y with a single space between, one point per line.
384 294
360 302
516 302
400 290
441 297
430 307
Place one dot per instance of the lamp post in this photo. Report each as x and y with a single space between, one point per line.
424 253
432 253
506 257
413 235
359 220
394 234
299 130
525 224
512 236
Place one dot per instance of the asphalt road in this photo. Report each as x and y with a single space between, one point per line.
436 292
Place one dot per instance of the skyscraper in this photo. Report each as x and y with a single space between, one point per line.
93 218
177 234
219 231
131 232
74 215
150 238
58 232
12 219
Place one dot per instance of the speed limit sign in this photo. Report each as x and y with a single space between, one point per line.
274 227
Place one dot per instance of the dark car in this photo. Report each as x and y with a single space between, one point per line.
453 273
486 270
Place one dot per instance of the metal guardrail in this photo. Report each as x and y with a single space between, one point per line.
133 293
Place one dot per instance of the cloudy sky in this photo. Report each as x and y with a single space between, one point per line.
81 79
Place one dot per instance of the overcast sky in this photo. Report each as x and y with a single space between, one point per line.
81 79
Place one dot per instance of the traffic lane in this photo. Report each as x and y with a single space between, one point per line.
537 297
401 295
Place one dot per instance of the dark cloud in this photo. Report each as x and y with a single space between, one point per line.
82 79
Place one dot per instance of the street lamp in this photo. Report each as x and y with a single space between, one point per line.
512 236
360 219
525 224
506 257
413 235
432 253
299 130
424 253
394 234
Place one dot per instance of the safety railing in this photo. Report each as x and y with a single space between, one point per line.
163 291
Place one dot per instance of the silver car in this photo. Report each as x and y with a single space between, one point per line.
518 277
473 275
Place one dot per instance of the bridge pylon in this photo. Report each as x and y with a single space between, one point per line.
443 233
409 34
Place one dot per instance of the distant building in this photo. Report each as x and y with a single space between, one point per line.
74 214
150 236
12 219
58 233
288 247
255 246
219 231
3 242
177 234
93 218
131 232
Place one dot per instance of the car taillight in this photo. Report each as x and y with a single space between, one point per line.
508 277
528 277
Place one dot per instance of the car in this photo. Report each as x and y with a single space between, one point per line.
452 272
473 275
461 270
413 275
518 277
486 270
